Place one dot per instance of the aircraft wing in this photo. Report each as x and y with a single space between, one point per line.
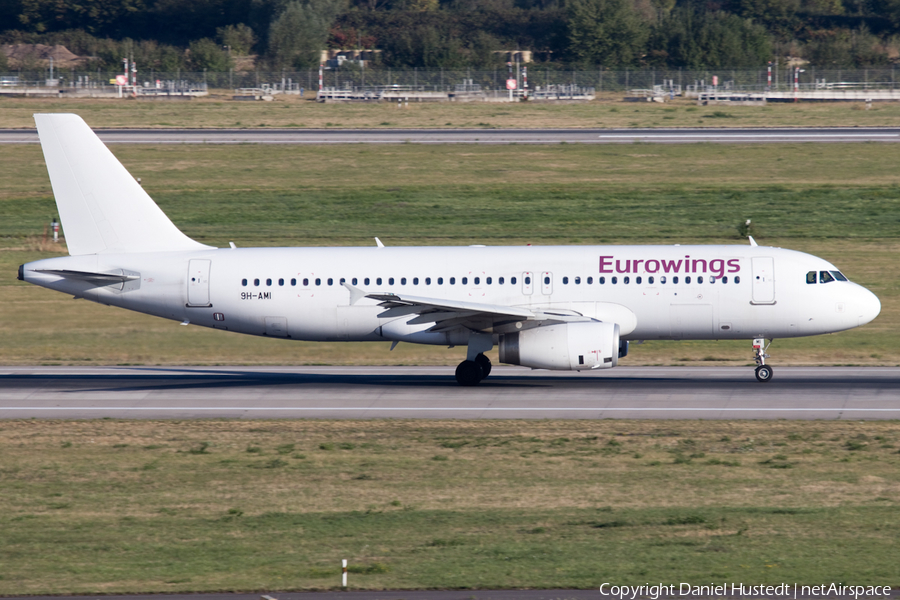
450 314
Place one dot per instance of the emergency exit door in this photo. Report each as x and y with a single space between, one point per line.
763 280
198 283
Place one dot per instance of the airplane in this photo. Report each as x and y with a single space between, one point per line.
554 307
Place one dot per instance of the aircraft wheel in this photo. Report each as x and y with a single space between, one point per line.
485 363
468 373
764 373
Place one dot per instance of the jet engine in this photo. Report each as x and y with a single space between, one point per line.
565 347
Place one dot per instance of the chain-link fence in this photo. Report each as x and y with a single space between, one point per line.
602 80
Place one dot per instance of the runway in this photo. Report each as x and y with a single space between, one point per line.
432 393
476 136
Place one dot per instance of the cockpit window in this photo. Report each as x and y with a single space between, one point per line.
811 277
839 276
825 277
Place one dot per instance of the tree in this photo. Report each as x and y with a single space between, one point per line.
206 54
606 32
298 34
695 38
238 38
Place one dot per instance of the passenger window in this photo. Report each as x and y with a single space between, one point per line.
330 281
453 281
687 279
318 281
488 280
390 281
725 279
378 281
637 280
675 279
590 280
305 282
428 281
650 280
354 280
256 282
839 276
601 280
699 278
512 280
662 279
527 281
440 281
825 277
281 282
268 282
465 280
626 279
403 281
342 281
415 281
577 280
614 280
366 281
546 281
565 280
737 278
477 280
811 277
244 282
712 279
500 280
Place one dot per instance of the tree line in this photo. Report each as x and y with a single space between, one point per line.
167 35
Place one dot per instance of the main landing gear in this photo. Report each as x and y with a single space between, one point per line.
763 371
471 372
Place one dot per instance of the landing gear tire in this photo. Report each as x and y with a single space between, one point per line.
469 373
485 363
764 373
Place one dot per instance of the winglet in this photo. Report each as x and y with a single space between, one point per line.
356 294
377 241
752 241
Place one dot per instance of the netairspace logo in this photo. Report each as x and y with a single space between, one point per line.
784 590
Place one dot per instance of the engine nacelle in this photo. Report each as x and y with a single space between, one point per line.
565 347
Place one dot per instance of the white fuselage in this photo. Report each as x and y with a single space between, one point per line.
651 292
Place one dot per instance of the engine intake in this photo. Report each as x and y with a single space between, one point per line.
564 347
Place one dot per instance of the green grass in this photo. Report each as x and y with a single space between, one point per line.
129 506
608 111
838 201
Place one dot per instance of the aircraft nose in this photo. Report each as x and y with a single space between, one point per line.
869 306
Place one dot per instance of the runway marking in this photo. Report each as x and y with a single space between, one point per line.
437 408
749 135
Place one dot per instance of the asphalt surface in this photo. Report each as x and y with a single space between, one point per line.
475 136
431 392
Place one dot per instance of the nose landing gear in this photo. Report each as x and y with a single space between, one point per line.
763 371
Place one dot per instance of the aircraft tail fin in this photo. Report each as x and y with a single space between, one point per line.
102 207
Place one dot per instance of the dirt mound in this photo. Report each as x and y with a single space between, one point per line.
25 54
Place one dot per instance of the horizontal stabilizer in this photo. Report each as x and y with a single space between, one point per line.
102 207
102 278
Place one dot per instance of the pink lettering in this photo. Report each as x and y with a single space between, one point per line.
734 265
654 268
671 266
717 267
606 264
694 265
635 264
627 266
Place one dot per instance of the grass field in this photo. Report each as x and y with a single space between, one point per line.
608 111
836 201
118 506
